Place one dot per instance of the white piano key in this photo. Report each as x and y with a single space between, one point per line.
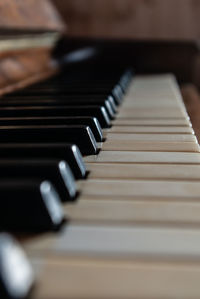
127 242
183 190
144 157
105 211
151 122
151 129
143 171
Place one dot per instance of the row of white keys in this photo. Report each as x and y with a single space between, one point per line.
144 165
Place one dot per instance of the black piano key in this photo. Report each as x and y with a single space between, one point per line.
29 206
94 111
13 100
64 103
82 136
13 262
116 92
109 110
125 79
58 172
91 122
69 88
61 151
112 103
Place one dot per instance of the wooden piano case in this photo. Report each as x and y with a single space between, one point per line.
28 32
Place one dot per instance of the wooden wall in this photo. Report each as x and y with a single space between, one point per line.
168 19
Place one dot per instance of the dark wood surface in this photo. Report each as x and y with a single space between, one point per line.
142 19
191 97
178 57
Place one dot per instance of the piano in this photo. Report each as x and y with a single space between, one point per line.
99 165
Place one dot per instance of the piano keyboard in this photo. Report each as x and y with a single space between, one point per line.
131 202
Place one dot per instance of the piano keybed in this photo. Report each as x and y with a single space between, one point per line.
133 223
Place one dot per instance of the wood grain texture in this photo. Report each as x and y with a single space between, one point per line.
20 67
29 14
24 68
172 19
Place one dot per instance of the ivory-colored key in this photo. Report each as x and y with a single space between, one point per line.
115 279
155 85
143 171
147 102
183 190
151 137
151 122
137 99
121 212
144 157
151 112
151 129
129 145
150 142
135 242
144 101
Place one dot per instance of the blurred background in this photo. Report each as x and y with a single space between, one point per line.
140 19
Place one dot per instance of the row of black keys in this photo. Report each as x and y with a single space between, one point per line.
39 163
40 137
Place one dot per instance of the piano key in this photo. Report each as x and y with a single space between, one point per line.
66 102
138 157
151 129
61 151
155 112
150 142
157 212
150 189
152 122
136 243
65 89
159 146
116 92
112 103
93 111
116 278
144 105
13 100
151 137
109 110
143 171
125 80
67 85
92 122
16 274
80 135
58 172
160 84
29 205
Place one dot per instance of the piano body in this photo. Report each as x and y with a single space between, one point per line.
99 164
